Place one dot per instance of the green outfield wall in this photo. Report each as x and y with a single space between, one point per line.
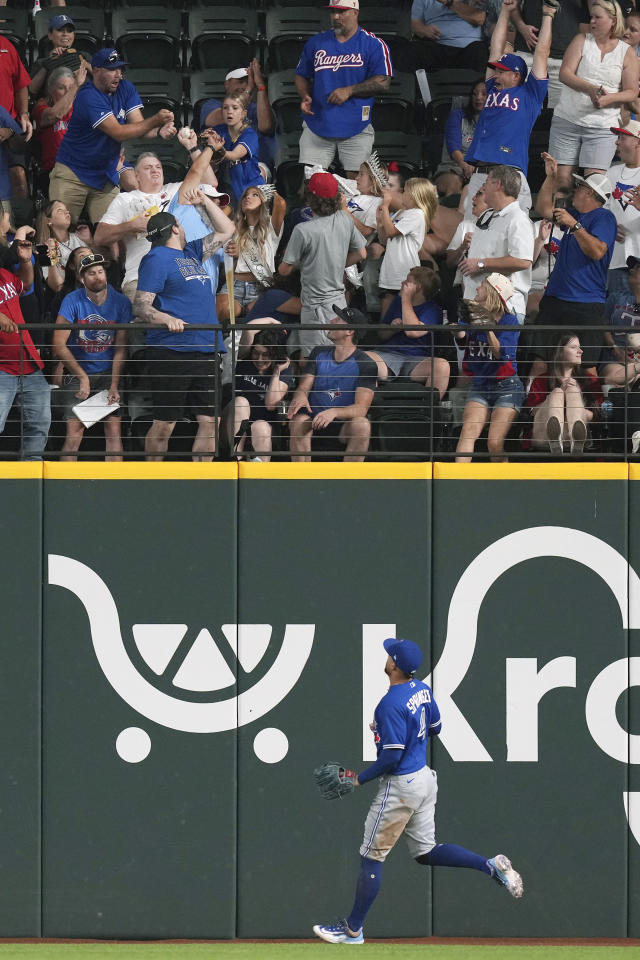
183 643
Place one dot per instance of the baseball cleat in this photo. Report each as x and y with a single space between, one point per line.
506 876
336 933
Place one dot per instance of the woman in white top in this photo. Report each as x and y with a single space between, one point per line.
599 73
254 246
53 227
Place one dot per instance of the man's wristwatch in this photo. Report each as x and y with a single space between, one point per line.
577 226
480 264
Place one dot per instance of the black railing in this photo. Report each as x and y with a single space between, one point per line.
408 420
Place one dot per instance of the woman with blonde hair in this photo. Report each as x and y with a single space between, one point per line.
403 234
254 247
496 392
53 228
237 142
599 74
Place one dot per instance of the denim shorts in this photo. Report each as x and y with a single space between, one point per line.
498 393
244 292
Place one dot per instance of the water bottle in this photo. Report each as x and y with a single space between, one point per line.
606 412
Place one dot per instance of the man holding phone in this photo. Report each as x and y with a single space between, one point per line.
576 291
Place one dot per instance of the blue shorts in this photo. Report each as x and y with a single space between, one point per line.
498 393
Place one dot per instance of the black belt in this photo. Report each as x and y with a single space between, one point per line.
488 167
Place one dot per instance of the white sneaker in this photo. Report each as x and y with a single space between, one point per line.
506 876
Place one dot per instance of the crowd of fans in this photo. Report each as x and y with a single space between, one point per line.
479 306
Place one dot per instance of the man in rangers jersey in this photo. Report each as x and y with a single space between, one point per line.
406 799
514 101
339 74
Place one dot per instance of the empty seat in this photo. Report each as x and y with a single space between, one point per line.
205 85
89 26
447 84
14 25
288 115
288 148
288 29
222 36
158 90
404 148
149 35
391 24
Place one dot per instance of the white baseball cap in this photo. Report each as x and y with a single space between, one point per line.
238 74
343 5
631 129
502 286
210 191
598 183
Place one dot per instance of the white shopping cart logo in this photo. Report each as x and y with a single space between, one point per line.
203 669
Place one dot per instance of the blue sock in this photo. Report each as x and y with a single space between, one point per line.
367 889
451 855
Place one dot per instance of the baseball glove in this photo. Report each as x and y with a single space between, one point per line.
474 313
334 781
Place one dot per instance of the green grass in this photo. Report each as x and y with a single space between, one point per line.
306 951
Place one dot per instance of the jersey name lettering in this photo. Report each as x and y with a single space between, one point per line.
7 292
416 701
502 98
326 61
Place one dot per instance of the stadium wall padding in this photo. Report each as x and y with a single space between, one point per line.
183 643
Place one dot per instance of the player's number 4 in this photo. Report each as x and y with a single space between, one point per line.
422 732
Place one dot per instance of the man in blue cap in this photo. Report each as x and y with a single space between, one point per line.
107 111
406 799
513 104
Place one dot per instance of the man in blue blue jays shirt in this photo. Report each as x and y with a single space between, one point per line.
405 801
339 73
107 111
513 104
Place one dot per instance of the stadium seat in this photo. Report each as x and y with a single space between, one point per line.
159 90
177 4
290 181
407 420
172 156
88 21
288 115
287 30
14 25
405 148
288 148
203 86
222 36
149 35
391 24
447 84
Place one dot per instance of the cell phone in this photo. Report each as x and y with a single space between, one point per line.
42 254
560 203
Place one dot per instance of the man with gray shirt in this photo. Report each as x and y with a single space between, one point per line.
321 248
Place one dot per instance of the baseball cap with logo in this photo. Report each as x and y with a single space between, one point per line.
598 183
238 74
212 192
343 5
62 20
323 185
350 314
91 260
108 58
510 61
406 654
632 129
502 286
159 227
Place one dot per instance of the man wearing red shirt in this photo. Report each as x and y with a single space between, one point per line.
20 364
14 97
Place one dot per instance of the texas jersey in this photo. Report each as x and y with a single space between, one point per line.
404 718
504 125
329 64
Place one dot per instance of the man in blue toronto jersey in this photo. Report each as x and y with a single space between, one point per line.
339 74
406 799
514 101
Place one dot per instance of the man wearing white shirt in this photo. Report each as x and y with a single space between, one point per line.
624 177
502 241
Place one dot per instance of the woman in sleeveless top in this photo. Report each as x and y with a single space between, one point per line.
599 73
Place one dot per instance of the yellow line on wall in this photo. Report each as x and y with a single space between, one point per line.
530 471
140 471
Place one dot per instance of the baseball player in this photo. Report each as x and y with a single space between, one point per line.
339 74
514 101
406 799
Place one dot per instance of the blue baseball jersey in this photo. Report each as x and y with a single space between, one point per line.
335 384
91 154
330 64
479 361
504 125
428 313
183 289
93 347
575 276
403 720
241 173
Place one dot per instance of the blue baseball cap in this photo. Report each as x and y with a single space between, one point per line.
406 654
62 20
108 58
510 61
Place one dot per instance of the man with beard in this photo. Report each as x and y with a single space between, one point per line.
93 356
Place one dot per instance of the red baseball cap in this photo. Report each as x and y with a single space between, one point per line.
323 185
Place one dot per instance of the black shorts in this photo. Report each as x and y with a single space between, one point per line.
181 382
571 316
